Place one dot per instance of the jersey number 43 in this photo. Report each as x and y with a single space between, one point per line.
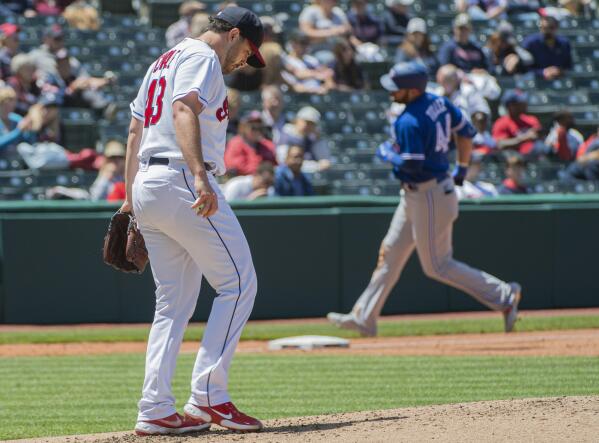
443 135
154 102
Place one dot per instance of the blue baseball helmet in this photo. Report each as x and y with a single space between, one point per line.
405 75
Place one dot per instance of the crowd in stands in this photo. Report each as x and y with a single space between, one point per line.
271 151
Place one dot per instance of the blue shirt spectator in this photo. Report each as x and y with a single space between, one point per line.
289 178
395 20
13 130
366 27
551 52
460 51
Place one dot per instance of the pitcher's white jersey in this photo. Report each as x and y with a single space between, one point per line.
190 66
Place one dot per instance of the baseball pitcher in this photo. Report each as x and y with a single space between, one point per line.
174 151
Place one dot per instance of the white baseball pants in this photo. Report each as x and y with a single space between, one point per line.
182 247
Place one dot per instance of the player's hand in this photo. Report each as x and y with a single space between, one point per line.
459 174
126 207
206 203
386 152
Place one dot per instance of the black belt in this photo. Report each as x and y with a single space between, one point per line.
165 161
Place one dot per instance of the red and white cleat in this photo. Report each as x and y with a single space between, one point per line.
225 415
173 424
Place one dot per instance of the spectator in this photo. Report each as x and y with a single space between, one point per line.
463 95
304 73
199 21
82 16
247 150
272 52
586 166
473 187
322 21
304 132
551 52
17 7
251 187
563 139
460 51
272 112
514 181
348 75
366 28
51 7
182 28
505 56
395 20
13 128
483 142
516 130
483 9
36 99
289 178
9 47
45 54
416 46
111 176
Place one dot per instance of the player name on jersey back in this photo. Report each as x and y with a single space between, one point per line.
191 67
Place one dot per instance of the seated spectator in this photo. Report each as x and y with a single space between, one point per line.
17 7
322 21
395 20
366 28
551 52
505 56
460 51
416 46
246 151
348 74
14 129
111 176
45 54
182 28
460 93
473 187
289 178
36 98
586 166
563 139
304 73
272 52
516 130
250 187
483 142
82 16
9 47
199 21
272 112
514 173
483 9
304 132
50 7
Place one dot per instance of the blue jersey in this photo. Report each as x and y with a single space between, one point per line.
424 135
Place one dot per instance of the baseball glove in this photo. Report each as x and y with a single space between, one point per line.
124 246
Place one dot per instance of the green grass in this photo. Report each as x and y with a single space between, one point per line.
269 331
88 394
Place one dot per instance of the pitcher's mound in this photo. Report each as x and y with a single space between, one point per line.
562 419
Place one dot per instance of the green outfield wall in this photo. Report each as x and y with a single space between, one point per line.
312 255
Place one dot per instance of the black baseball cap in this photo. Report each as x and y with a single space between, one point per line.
250 27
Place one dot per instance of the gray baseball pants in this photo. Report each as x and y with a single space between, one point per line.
424 220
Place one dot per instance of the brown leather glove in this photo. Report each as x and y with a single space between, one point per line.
124 246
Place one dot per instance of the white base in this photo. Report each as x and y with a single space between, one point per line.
307 343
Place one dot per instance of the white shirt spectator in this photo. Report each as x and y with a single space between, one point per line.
313 15
238 188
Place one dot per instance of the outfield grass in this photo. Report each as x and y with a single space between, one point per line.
270 331
44 396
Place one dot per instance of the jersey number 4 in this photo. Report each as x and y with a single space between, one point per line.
154 110
443 135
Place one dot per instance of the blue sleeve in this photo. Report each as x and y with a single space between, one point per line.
16 135
459 123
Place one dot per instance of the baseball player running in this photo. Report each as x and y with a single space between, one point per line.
428 207
175 148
